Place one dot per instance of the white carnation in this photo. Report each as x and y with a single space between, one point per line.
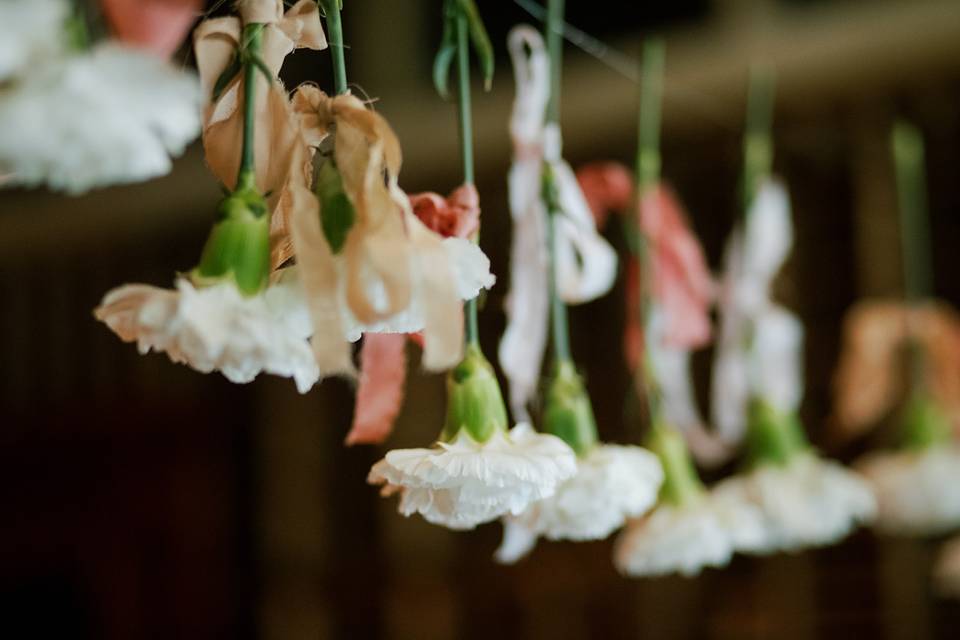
217 328
809 502
464 483
612 483
31 31
108 116
918 492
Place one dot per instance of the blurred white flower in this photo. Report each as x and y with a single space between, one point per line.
946 569
217 328
918 491
110 115
463 483
612 483
684 539
30 31
808 502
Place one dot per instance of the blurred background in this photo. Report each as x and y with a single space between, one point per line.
141 499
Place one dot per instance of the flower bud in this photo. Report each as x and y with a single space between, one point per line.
474 401
569 414
681 484
336 210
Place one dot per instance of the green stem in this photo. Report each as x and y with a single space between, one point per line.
335 34
907 147
651 98
472 332
555 9
559 325
757 143
252 36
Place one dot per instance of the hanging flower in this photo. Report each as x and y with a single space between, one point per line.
918 486
156 25
585 262
690 528
612 482
367 263
946 569
109 115
478 471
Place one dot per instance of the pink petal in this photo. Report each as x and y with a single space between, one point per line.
159 26
456 216
607 186
682 283
383 370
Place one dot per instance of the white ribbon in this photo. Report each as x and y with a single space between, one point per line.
586 264
759 350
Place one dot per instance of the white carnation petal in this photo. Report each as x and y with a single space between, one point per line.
31 32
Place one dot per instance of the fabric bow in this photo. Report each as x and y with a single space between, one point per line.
585 262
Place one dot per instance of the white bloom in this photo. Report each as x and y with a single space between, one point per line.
109 116
673 539
217 328
946 569
809 502
31 31
613 483
464 483
918 492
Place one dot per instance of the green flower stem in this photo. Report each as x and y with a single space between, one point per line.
681 484
471 329
555 10
253 40
757 140
907 147
331 9
560 330
924 425
773 437
651 98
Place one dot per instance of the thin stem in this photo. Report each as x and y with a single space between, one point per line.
560 329
252 36
555 10
472 332
907 147
335 31
757 144
651 98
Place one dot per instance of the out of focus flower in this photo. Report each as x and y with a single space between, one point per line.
917 486
106 116
478 471
612 482
585 262
159 26
690 528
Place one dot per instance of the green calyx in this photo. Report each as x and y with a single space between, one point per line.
238 247
337 214
681 484
474 401
773 436
924 424
569 414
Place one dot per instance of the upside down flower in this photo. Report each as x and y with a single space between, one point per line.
612 482
804 499
84 117
918 486
477 471
690 528
585 263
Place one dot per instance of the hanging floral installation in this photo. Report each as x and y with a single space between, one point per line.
124 111
478 470
315 249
